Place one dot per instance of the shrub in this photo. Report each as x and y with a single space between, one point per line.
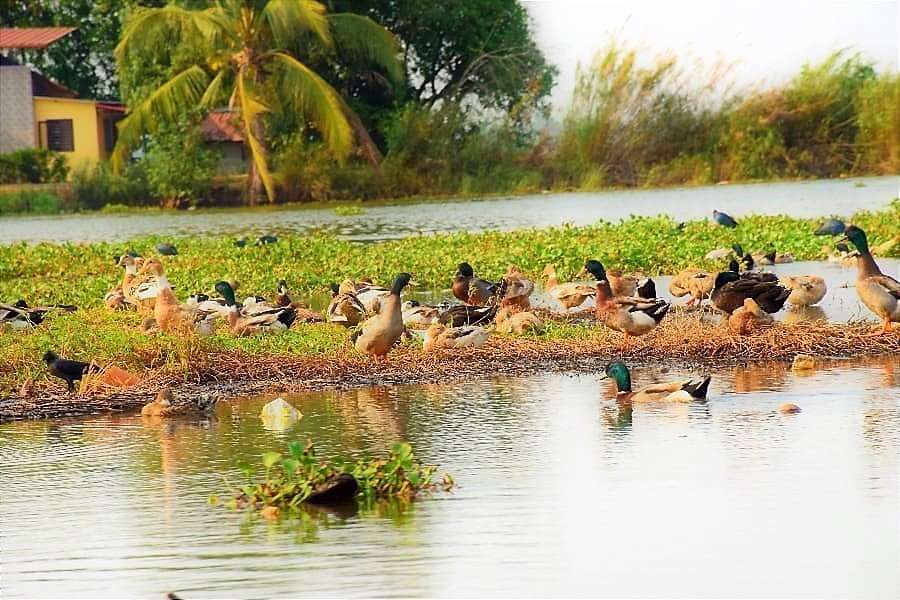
97 186
32 201
179 168
878 110
33 165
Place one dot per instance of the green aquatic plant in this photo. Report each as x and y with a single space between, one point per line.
290 480
348 210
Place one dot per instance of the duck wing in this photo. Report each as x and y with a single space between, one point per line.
890 285
463 314
655 308
772 299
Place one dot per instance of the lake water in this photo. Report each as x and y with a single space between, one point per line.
383 221
562 492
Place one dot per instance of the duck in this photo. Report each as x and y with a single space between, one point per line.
20 316
371 295
696 282
515 289
167 310
646 288
304 313
569 295
115 299
724 219
806 290
879 292
734 267
419 315
165 405
730 291
379 333
69 371
749 317
631 316
686 390
469 289
139 285
465 314
771 258
621 285
842 255
345 307
273 319
439 336
518 322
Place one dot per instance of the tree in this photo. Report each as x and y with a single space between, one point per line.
247 52
83 60
454 50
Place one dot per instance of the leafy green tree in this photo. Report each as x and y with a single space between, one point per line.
246 53
454 50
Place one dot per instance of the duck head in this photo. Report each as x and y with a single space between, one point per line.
282 287
748 262
164 397
595 268
857 237
733 266
464 269
618 372
400 281
335 289
153 266
347 287
50 356
224 288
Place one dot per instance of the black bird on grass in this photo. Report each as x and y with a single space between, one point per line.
240 243
831 227
166 249
266 239
69 371
724 220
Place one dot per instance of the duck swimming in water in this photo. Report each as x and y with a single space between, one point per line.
687 390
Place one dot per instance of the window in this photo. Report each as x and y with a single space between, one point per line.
59 135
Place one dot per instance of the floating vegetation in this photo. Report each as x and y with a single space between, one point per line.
348 210
300 477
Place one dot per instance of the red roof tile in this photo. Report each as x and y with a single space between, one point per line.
31 37
221 126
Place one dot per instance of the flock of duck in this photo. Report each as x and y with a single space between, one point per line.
379 319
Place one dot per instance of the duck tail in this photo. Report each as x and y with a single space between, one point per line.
287 317
660 312
697 388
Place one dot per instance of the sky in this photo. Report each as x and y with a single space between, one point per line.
764 41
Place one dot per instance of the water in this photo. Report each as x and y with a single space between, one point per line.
381 221
563 492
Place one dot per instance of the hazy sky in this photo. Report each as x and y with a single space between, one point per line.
766 40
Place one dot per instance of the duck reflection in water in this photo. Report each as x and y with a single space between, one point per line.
804 314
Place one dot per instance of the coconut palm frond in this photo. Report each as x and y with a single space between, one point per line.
316 101
363 40
213 91
171 100
149 30
288 17
251 110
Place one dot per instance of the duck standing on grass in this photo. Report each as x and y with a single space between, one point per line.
382 331
687 390
470 289
569 295
69 371
879 292
166 310
345 308
631 316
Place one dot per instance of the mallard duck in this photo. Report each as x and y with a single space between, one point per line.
621 284
806 290
304 313
748 317
439 336
345 308
378 334
470 289
518 322
731 290
770 258
646 289
69 371
138 284
464 314
515 289
696 282
879 292
274 319
631 316
569 295
165 405
419 315
687 390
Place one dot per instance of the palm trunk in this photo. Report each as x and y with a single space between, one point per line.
257 191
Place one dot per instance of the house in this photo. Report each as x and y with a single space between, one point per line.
36 112
221 132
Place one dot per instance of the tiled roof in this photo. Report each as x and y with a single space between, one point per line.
221 126
31 37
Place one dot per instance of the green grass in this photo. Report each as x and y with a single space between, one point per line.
82 274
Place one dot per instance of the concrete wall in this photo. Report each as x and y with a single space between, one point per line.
16 109
85 128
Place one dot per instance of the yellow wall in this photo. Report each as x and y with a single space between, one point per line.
85 130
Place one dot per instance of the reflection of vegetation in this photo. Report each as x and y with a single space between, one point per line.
289 481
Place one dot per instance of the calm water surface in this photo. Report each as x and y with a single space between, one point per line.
563 492
799 199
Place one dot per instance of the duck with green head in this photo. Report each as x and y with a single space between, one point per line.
631 316
687 390
241 324
879 292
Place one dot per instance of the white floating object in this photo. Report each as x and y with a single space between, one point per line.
279 415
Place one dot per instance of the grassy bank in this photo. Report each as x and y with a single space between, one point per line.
81 274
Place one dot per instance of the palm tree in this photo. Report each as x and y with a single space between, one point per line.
250 55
